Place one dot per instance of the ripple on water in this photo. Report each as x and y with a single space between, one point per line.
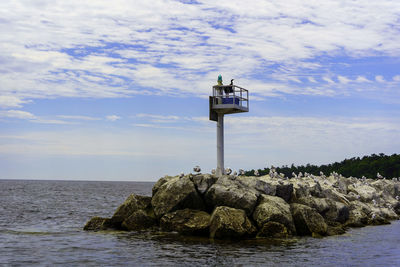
41 224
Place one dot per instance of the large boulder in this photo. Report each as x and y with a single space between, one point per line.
321 205
132 204
274 209
203 182
96 224
274 230
307 220
365 191
338 212
187 222
284 191
160 182
262 185
177 193
227 222
139 220
228 191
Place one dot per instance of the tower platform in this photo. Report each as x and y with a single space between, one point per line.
228 99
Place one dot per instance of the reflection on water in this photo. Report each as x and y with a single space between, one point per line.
41 224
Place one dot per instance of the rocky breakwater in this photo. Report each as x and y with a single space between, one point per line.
262 207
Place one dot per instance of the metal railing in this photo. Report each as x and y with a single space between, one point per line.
229 95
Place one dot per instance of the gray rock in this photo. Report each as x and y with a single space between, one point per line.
203 182
96 224
177 193
227 222
274 209
160 182
338 212
139 220
229 192
187 222
308 221
273 230
132 203
262 185
284 191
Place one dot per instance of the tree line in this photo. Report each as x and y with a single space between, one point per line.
368 166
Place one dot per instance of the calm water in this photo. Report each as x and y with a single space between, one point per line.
41 224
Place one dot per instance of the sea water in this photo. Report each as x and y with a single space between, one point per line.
41 225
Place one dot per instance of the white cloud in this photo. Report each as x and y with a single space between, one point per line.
113 117
343 80
312 79
78 117
396 78
362 79
380 79
7 101
104 49
327 79
18 114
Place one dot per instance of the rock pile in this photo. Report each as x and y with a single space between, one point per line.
266 206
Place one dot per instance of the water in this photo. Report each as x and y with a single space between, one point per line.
41 224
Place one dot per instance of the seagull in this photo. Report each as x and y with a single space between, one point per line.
181 175
213 171
256 173
228 171
241 172
197 169
235 173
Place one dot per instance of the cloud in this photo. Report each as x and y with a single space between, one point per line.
10 101
18 114
101 50
396 78
112 117
343 79
379 78
362 79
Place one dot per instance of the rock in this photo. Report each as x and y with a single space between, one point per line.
227 222
96 224
335 230
132 203
307 220
366 192
274 230
338 212
187 222
177 193
357 218
139 220
160 182
203 182
284 191
274 209
230 192
332 194
262 185
396 208
321 205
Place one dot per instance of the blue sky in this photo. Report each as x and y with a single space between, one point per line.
101 90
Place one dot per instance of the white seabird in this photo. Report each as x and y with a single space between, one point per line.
197 169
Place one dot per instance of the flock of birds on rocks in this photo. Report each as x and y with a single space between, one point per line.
274 174
322 178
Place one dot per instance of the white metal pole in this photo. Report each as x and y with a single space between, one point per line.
220 145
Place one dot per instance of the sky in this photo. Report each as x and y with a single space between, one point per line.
118 90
